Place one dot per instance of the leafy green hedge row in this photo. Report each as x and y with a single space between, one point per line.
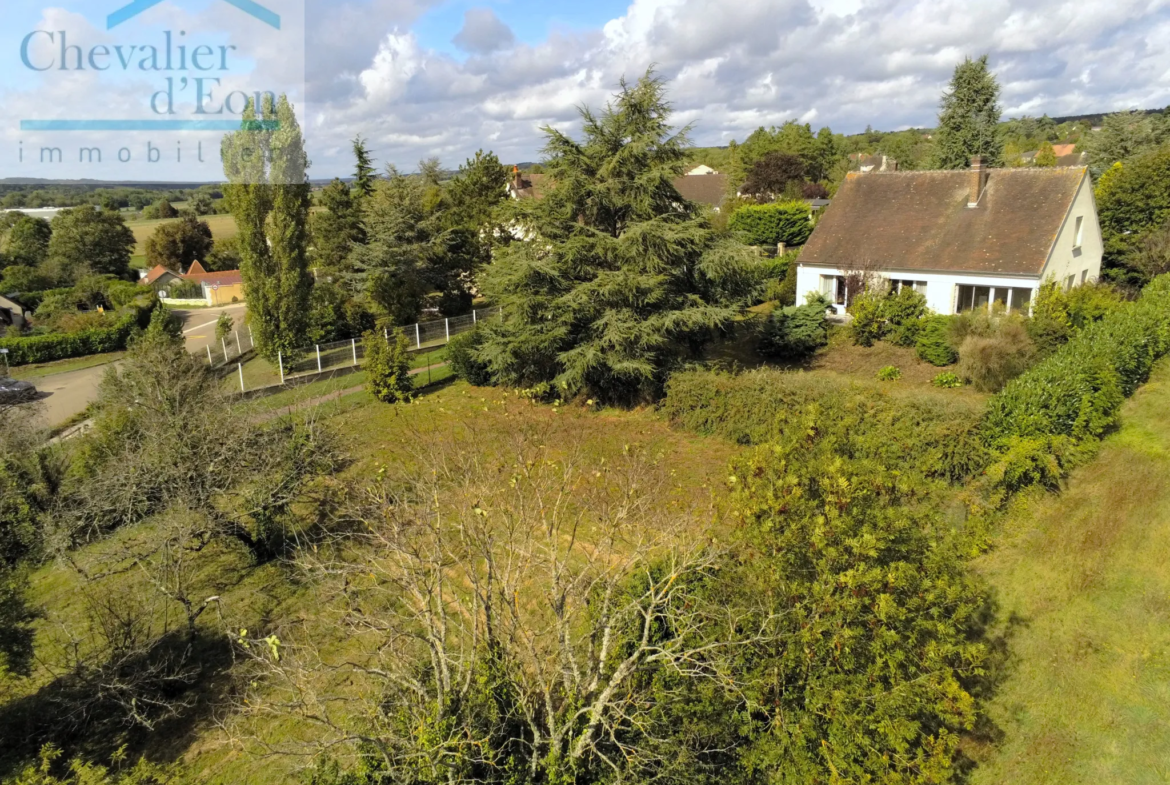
61 346
861 421
770 224
1078 391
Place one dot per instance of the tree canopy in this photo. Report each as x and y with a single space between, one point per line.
968 124
87 240
178 244
620 277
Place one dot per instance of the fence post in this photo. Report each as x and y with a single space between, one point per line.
280 362
386 334
241 377
474 318
447 327
353 341
318 358
417 337
251 338
239 346
223 343
210 361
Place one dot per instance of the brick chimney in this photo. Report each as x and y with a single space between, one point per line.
977 181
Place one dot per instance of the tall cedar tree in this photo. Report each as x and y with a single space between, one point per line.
268 194
391 266
336 228
969 122
620 277
363 175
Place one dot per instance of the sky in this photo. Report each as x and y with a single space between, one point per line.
421 78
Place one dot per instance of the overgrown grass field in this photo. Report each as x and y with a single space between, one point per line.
1083 578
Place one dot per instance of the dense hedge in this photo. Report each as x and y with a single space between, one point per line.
1078 391
940 437
795 332
770 224
61 346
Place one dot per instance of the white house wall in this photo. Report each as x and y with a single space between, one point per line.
1065 259
941 288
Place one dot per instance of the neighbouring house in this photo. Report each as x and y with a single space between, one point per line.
526 186
965 239
11 313
219 288
222 288
872 163
159 277
701 169
709 189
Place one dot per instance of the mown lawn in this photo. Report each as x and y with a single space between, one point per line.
222 227
41 370
1085 577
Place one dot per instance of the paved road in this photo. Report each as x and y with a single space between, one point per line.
66 395
199 325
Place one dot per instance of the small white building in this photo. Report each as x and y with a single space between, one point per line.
964 239
702 169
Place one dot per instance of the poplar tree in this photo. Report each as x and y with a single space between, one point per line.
618 278
268 195
968 124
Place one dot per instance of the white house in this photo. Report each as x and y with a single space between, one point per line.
965 239
701 169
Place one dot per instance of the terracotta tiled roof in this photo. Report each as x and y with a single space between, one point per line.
196 268
528 186
1063 149
703 188
156 272
920 221
223 278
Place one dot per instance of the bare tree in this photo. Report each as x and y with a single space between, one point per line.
502 619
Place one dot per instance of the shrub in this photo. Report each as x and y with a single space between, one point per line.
461 357
1078 391
770 224
388 367
1092 302
185 290
796 332
786 292
940 438
947 380
223 326
869 324
890 373
61 346
903 313
879 624
934 343
989 361
1051 325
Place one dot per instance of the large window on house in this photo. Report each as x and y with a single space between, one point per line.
833 288
1012 299
898 284
1080 232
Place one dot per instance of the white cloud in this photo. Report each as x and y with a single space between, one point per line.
483 32
731 67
